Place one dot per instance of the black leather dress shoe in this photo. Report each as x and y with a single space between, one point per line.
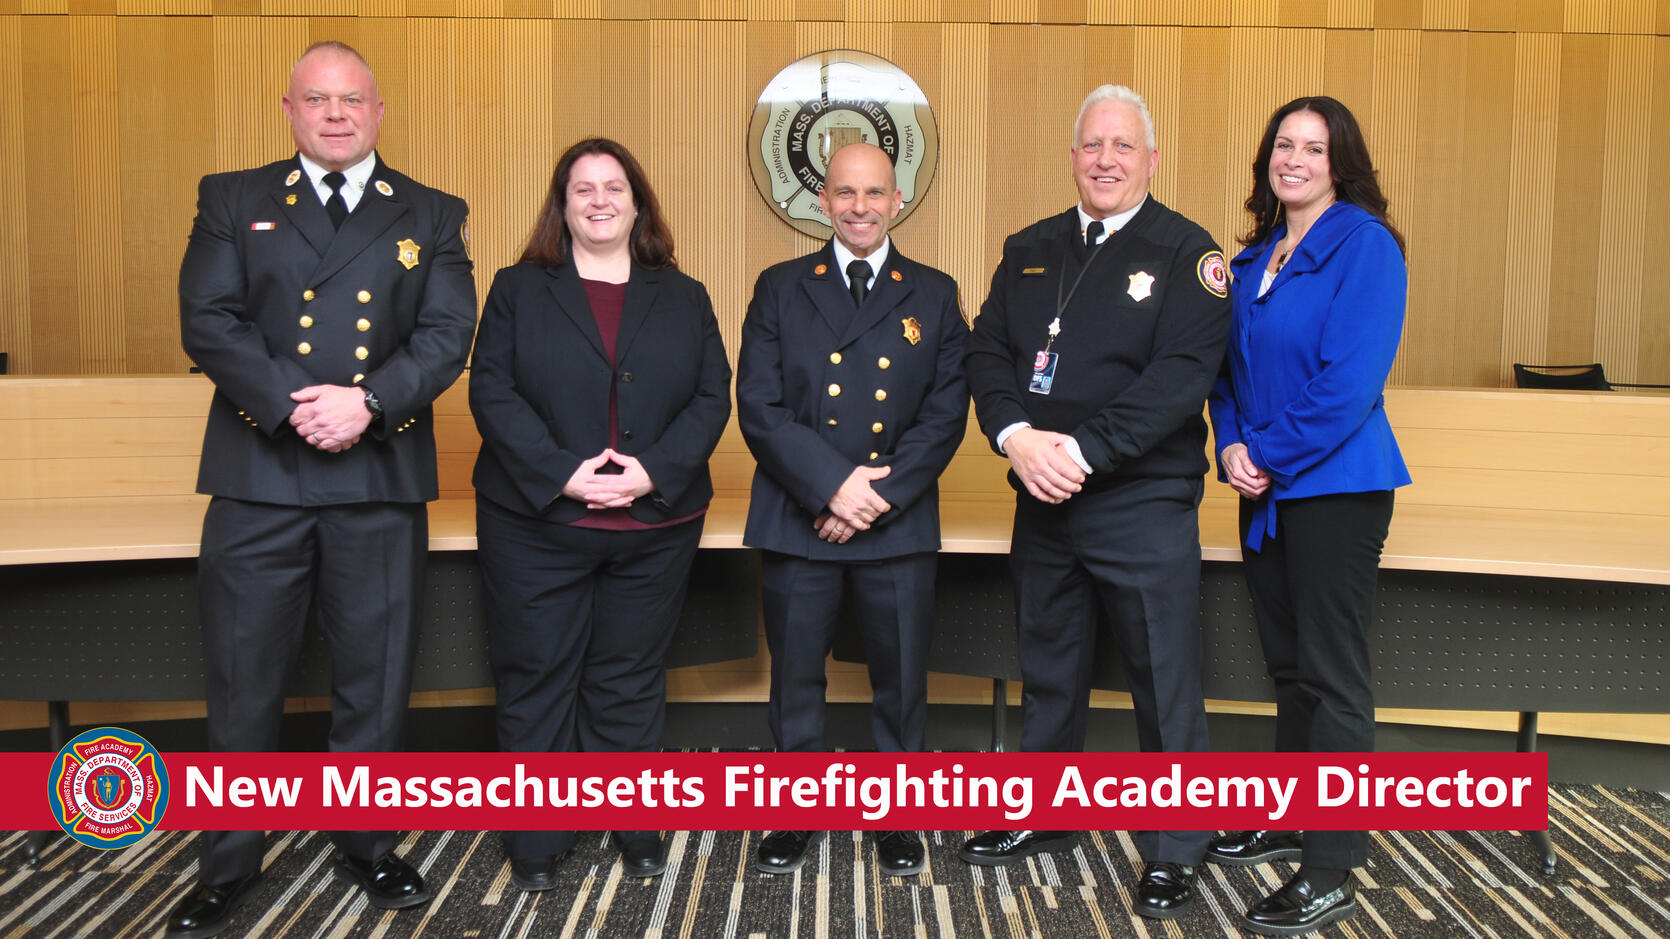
389 883
900 853
1246 848
641 854
782 852
534 874
206 910
997 848
1298 908
1165 891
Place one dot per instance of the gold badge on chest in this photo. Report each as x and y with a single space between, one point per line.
913 330
290 199
408 254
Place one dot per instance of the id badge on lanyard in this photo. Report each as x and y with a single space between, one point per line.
1043 364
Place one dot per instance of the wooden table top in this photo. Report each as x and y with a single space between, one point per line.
1585 546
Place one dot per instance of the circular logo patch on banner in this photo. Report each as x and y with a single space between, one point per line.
108 788
820 104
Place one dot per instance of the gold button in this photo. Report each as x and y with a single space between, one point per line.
835 358
304 348
884 361
875 428
361 352
834 390
881 394
307 295
832 422
307 322
359 378
874 454
364 296
363 325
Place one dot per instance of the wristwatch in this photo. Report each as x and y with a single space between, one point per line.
372 403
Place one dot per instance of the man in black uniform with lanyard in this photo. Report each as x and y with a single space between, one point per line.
330 300
1090 363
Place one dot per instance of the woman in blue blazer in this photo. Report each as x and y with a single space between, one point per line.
600 388
1302 436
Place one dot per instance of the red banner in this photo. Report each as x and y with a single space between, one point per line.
847 791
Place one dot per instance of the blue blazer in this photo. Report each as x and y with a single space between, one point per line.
823 387
1308 362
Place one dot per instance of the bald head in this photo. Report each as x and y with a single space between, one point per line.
334 109
861 196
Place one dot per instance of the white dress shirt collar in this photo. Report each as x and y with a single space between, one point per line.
1110 224
358 176
877 259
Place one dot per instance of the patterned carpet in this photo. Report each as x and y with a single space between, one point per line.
1613 880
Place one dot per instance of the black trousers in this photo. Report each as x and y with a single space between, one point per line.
1312 591
1133 551
578 625
360 568
893 600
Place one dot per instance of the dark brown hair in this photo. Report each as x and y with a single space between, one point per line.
1355 180
551 244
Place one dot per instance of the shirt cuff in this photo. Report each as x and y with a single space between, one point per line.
1005 434
1072 447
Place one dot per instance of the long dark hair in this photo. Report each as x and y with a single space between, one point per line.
651 242
1353 171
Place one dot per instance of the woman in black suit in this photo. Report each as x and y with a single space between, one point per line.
600 388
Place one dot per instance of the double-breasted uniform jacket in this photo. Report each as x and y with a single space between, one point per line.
1140 344
274 299
824 386
540 383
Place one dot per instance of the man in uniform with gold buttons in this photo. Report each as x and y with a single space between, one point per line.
330 300
850 393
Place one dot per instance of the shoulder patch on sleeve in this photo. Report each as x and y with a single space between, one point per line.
1212 274
464 235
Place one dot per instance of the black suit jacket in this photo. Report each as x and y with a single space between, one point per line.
1141 342
273 299
823 387
539 389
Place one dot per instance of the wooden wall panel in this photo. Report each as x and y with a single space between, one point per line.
1392 133
1522 145
1653 345
1480 215
1575 224
1429 345
16 319
1536 84
1621 210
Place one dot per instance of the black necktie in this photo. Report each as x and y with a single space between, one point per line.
336 205
1092 234
858 280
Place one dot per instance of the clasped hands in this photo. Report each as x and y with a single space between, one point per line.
1243 474
1043 464
330 417
854 507
608 490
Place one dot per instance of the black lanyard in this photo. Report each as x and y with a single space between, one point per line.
1062 301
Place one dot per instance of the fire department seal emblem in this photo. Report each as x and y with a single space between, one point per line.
820 104
108 788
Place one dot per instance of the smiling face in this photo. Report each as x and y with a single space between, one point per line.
860 196
1112 162
333 107
599 208
1300 172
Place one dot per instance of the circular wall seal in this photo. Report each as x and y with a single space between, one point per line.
108 788
823 102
